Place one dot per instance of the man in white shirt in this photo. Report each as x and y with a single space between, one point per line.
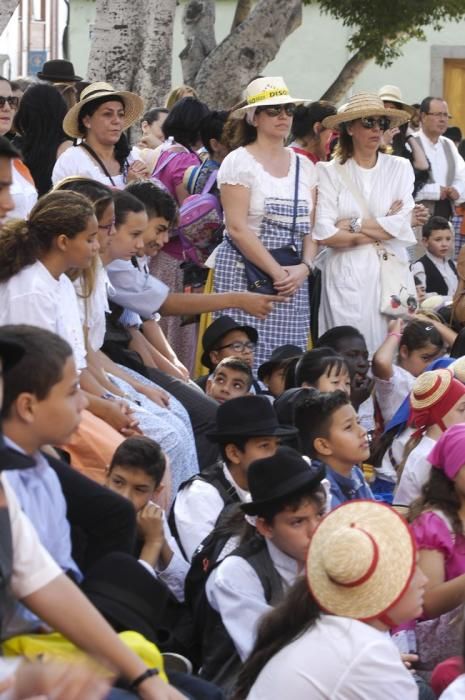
246 429
446 185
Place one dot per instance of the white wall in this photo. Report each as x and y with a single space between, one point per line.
309 59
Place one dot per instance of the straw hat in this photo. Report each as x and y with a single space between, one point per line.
365 104
361 560
458 368
429 388
391 93
133 106
262 92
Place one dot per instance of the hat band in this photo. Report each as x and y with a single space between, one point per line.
98 92
267 94
371 569
428 394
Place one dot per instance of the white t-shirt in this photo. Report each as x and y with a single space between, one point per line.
336 659
416 473
76 161
391 393
456 690
22 191
36 298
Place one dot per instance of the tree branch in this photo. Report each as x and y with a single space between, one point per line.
7 7
198 27
346 77
243 8
246 51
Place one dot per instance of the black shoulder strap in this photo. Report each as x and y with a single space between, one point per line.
98 160
255 552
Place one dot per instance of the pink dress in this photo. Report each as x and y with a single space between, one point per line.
431 531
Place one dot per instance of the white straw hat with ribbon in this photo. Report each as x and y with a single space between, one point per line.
361 560
263 92
133 106
365 104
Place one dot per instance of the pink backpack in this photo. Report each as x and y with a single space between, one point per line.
200 225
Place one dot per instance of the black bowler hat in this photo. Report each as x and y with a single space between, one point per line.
58 71
248 416
274 478
285 405
284 352
217 330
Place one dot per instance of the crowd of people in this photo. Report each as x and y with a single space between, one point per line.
232 395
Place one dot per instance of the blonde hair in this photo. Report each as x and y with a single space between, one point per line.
178 93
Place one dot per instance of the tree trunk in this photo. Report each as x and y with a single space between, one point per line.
243 8
132 45
346 78
246 51
7 7
198 27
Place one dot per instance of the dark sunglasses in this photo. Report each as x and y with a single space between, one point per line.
275 110
370 122
12 101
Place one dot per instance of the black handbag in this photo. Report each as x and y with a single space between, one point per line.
257 280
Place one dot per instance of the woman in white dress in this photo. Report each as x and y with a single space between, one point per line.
267 192
364 197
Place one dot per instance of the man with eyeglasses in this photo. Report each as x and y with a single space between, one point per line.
446 184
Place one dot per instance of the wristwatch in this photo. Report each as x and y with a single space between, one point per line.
355 225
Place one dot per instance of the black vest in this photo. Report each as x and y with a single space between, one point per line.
435 282
220 660
213 475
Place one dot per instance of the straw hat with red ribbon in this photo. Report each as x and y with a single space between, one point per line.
432 397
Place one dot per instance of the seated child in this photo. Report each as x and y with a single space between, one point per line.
404 355
246 429
273 372
230 378
136 472
331 434
350 343
322 369
288 502
226 338
435 270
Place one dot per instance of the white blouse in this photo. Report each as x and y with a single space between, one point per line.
241 168
76 161
36 298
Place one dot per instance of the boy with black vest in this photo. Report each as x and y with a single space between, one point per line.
246 429
435 270
288 501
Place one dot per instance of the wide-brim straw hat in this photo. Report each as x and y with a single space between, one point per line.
361 560
430 387
391 93
133 106
263 92
365 104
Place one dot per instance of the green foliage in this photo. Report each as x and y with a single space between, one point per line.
382 27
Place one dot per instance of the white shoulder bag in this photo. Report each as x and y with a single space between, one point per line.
398 292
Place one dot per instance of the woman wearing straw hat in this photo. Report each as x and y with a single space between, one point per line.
267 192
99 120
332 644
364 197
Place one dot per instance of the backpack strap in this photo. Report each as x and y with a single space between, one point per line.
255 552
159 168
210 181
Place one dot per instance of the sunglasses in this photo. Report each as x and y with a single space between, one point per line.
12 101
275 110
370 122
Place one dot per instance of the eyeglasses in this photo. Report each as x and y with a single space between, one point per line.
12 101
275 110
107 227
446 115
239 346
370 122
